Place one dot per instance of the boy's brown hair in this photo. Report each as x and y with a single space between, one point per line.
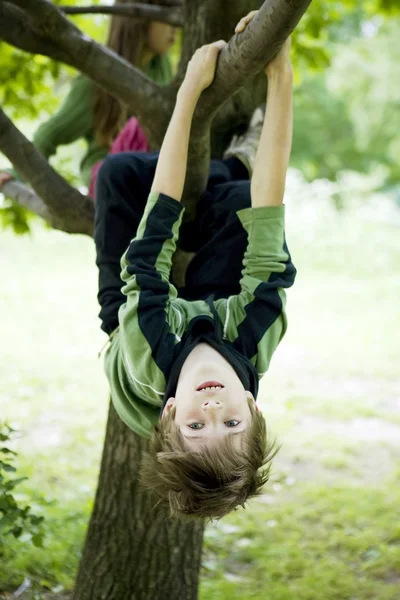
212 482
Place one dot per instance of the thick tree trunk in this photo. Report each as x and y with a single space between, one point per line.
134 550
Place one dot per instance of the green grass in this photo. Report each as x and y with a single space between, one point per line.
326 526
338 543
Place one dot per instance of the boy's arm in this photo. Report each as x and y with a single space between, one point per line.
150 323
156 236
272 158
153 244
256 318
170 174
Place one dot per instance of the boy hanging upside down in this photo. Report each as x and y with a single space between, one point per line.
184 365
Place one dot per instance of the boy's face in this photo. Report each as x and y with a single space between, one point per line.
210 402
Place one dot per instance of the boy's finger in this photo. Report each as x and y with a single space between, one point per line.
219 44
244 21
240 26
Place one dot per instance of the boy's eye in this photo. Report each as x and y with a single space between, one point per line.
230 423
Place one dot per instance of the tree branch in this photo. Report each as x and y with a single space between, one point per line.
203 23
64 207
25 196
43 24
16 31
41 28
246 55
165 14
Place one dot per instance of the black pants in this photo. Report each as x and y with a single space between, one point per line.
217 236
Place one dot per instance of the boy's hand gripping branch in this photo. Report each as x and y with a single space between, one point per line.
201 70
170 174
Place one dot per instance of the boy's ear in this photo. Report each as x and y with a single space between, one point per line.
251 397
170 404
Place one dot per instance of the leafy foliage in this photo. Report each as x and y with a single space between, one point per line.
15 216
15 519
348 117
23 77
372 92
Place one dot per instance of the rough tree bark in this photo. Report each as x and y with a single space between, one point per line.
133 551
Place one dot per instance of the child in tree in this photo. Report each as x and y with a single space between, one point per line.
184 365
92 114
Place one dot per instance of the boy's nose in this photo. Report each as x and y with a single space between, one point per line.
211 405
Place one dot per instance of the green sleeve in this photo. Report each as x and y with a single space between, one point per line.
150 324
72 121
151 251
255 319
139 415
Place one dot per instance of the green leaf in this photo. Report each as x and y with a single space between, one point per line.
35 520
37 540
7 502
7 451
12 483
7 467
9 519
16 217
25 511
16 531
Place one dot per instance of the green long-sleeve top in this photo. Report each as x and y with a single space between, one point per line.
154 319
75 119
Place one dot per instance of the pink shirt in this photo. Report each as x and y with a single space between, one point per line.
131 138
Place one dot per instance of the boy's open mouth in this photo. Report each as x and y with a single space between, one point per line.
208 386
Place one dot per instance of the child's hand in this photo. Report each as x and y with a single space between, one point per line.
280 62
244 21
201 69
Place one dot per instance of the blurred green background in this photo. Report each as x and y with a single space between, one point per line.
327 527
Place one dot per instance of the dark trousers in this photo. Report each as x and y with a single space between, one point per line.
217 236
